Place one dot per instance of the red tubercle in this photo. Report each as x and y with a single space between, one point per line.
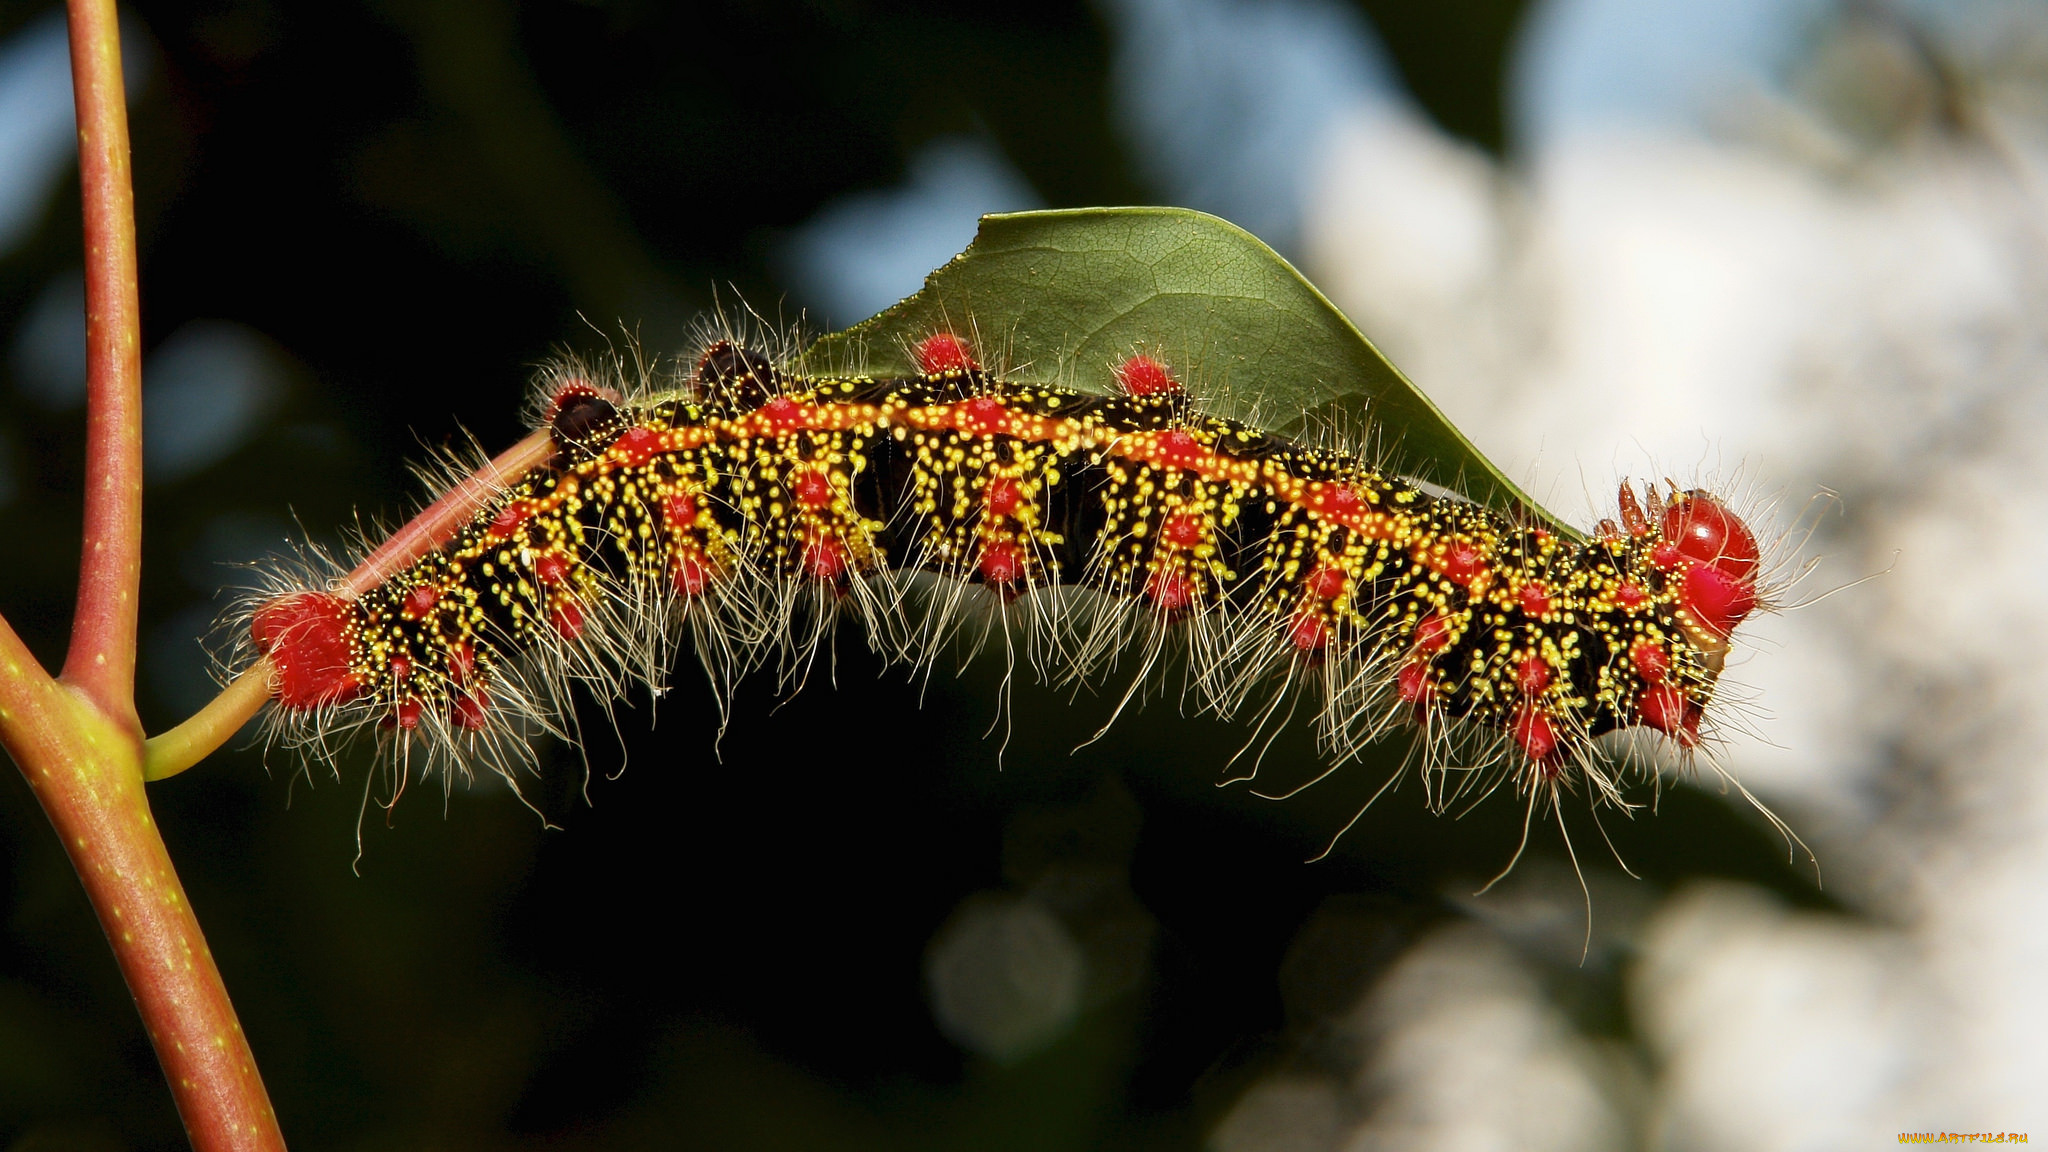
782 414
509 518
1630 596
1462 562
1001 563
1326 582
401 669
310 639
1178 448
1144 376
636 446
982 416
406 715
1339 499
1311 633
471 711
1170 590
1533 674
1535 733
1667 709
1433 634
1650 660
825 558
813 489
1665 556
1182 530
1002 497
566 615
943 352
419 601
1534 598
551 568
690 574
679 510
461 661
1413 682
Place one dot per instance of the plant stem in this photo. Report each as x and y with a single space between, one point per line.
432 527
87 772
101 663
180 748
77 740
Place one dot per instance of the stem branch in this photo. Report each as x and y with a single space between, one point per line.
77 740
87 772
180 748
432 527
101 662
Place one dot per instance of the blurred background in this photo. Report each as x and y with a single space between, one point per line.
1792 247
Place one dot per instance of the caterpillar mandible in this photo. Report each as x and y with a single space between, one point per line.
747 504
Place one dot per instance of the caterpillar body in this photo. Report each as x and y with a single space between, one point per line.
746 506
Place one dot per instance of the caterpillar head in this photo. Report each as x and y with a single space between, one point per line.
582 417
1712 556
1708 563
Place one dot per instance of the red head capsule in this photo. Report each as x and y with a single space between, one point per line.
1705 531
1715 556
1716 600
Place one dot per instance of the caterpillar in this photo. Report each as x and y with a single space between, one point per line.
745 505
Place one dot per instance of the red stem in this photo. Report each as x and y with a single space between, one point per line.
101 663
77 740
87 772
432 527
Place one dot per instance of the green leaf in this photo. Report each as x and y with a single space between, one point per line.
1061 297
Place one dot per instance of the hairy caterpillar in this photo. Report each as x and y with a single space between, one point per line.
748 505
